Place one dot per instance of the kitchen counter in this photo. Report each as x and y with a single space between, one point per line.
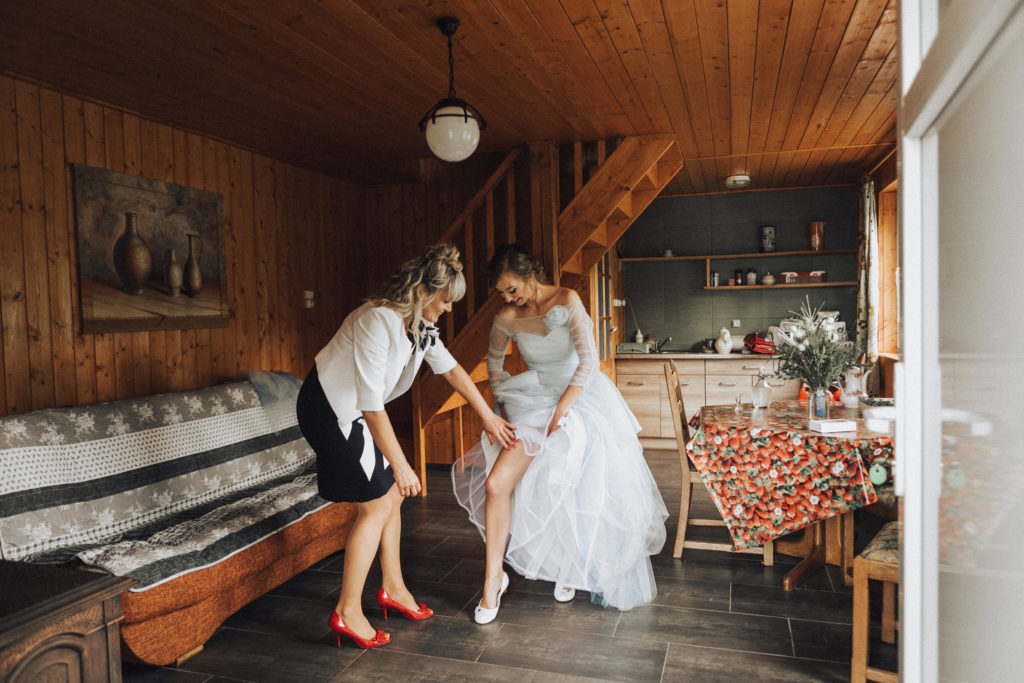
690 355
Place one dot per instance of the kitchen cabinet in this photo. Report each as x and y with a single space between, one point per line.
708 258
707 379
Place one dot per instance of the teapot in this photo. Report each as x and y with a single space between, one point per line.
724 342
855 383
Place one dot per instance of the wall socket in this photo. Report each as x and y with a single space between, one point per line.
735 323
618 303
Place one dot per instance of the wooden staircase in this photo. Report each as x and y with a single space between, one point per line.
621 188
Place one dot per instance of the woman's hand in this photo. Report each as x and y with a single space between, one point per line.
556 419
407 482
499 429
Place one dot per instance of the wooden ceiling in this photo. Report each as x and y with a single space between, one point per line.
790 92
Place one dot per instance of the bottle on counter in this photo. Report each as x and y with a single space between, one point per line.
751 277
739 276
714 278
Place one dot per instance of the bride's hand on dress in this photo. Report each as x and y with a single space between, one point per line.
500 430
556 422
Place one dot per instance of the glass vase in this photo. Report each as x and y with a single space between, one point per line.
761 394
818 405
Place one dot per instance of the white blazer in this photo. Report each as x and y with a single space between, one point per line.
371 360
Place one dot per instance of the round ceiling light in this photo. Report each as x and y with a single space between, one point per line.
735 182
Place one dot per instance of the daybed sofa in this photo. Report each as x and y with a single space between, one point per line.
206 498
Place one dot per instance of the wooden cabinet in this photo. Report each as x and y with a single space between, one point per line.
59 624
706 380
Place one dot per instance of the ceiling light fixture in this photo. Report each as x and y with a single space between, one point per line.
735 182
452 125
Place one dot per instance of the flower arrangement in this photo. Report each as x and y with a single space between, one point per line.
813 347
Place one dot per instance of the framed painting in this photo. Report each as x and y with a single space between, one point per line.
150 254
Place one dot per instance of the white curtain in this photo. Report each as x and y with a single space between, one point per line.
867 275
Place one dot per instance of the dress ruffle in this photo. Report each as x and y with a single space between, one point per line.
587 513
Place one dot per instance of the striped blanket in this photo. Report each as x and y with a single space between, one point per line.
157 486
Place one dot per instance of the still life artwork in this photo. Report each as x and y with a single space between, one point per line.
150 253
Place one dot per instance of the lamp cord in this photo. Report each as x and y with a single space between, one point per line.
451 70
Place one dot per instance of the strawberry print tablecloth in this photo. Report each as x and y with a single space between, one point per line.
769 475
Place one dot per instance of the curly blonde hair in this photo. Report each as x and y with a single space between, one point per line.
438 270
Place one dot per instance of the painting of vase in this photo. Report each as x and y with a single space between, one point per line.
130 231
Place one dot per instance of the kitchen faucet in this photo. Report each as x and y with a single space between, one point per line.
658 343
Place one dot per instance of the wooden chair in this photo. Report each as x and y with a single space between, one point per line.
880 560
690 477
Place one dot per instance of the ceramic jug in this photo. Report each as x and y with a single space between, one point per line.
855 383
724 342
132 259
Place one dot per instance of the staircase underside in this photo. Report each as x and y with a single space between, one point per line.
621 188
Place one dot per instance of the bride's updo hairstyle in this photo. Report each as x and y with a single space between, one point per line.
514 259
438 270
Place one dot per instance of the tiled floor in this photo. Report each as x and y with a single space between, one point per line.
717 617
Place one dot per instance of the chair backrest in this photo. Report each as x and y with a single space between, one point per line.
676 406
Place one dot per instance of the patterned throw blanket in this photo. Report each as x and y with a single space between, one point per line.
154 487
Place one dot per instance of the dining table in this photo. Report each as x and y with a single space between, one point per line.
770 475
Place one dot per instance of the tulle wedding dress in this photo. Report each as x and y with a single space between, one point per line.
587 513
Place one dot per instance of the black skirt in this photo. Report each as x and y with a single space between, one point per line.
340 474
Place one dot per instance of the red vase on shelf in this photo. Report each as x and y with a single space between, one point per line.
816 235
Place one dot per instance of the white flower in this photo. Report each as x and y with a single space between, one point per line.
737 511
557 316
837 468
773 473
718 441
797 441
813 500
798 333
733 470
778 512
15 429
801 346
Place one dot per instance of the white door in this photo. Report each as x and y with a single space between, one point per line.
960 432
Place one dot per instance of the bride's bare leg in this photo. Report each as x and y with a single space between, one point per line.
506 473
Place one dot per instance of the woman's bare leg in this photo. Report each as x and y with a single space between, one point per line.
360 549
390 558
507 471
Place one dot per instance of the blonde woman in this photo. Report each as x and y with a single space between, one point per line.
373 358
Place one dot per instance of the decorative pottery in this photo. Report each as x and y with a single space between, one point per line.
855 382
816 235
768 279
174 276
724 342
132 258
193 275
878 474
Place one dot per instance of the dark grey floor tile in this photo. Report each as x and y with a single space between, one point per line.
801 604
673 592
421 543
750 633
388 664
733 568
248 656
416 569
439 636
141 673
311 585
468 571
463 547
541 610
548 677
709 665
579 654
331 563
819 640
274 614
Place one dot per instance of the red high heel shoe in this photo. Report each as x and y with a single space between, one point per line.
381 637
385 601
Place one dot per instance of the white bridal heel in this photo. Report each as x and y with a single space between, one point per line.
564 594
485 615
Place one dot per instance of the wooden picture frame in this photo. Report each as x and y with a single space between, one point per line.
151 254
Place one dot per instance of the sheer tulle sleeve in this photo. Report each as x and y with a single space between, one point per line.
496 348
582 328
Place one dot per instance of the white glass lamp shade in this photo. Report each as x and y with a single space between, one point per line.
451 135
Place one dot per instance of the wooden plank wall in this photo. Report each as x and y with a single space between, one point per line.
286 231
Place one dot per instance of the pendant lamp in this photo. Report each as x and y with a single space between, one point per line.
452 125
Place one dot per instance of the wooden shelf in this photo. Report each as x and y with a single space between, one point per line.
722 257
788 285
